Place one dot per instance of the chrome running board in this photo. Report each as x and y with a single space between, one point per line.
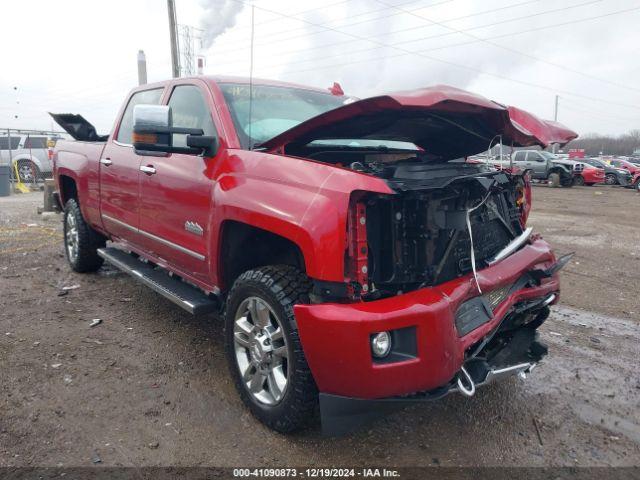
192 299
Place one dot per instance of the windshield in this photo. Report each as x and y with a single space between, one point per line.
273 109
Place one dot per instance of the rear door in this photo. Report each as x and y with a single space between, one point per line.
537 164
519 159
119 171
176 190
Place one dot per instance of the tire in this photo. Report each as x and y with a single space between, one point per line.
81 242
284 396
28 171
579 181
554 180
610 179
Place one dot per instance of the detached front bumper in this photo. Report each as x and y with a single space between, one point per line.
336 337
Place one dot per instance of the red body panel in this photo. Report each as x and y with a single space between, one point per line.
335 337
592 175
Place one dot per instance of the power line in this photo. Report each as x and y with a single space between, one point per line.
392 32
302 12
405 42
324 28
464 67
512 50
448 34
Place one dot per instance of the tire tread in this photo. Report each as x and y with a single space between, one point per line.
289 286
88 241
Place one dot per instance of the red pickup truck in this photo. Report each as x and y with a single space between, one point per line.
358 262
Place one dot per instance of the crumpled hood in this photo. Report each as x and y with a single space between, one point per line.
444 121
546 131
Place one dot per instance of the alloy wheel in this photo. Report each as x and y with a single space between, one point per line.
261 351
72 237
26 172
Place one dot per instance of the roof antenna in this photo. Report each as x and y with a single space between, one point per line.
253 9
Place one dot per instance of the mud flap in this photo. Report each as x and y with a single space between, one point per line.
340 415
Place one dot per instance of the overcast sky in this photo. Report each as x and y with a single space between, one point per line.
80 56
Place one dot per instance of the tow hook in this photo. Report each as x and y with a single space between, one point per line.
463 377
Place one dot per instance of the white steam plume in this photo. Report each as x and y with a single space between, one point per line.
218 16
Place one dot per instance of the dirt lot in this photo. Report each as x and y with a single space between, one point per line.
149 386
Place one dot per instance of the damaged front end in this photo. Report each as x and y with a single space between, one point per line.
444 265
445 222
512 349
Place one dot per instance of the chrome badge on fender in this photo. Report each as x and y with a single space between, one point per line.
193 227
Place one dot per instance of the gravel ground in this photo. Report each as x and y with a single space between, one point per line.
149 386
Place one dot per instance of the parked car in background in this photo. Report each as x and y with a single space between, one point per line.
32 153
612 175
586 174
541 165
626 165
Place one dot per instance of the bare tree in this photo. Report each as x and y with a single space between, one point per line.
594 144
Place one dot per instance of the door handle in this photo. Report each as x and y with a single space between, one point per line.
106 161
148 169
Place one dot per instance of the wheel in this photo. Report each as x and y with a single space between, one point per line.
28 171
554 179
81 242
263 349
610 179
579 181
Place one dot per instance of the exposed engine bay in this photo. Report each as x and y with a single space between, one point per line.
420 237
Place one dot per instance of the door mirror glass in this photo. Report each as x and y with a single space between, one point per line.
153 131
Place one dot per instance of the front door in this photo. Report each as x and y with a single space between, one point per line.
176 192
119 170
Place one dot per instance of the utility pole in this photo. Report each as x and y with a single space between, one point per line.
173 34
555 119
142 68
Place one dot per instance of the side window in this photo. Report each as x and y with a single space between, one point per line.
189 110
145 97
533 157
519 156
35 142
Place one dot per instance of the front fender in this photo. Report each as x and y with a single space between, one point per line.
303 201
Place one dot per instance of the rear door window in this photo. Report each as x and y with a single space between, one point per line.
144 97
35 142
